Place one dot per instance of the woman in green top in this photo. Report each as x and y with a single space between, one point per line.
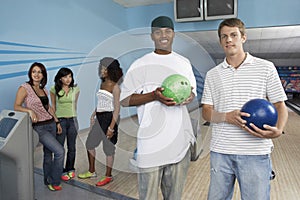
64 95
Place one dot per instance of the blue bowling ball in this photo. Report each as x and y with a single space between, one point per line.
261 111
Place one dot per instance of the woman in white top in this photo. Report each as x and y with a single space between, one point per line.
105 128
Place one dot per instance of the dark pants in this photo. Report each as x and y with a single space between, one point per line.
98 134
69 131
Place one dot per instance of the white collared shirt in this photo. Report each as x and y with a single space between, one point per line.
228 89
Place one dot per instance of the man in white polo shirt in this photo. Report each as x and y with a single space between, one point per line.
237 152
165 132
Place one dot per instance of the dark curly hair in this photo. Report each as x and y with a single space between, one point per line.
114 70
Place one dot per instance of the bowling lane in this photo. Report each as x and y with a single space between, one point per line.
285 158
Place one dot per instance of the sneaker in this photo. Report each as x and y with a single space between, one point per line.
104 180
87 175
54 187
273 175
71 174
65 176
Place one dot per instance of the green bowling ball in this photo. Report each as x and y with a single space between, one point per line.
177 87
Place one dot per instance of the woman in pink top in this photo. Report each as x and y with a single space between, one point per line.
32 97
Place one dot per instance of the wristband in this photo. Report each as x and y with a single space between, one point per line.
58 122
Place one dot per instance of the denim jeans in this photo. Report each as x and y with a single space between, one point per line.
52 164
69 131
253 173
171 178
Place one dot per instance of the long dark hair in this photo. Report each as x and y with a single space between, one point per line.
58 83
114 71
44 72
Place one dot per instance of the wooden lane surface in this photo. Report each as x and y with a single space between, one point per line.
285 157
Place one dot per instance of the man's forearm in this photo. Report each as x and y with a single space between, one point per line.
138 99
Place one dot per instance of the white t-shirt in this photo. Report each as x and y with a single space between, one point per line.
228 89
165 133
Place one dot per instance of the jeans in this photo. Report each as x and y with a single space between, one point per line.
52 165
171 178
253 173
69 131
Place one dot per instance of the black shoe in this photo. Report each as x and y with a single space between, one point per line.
273 175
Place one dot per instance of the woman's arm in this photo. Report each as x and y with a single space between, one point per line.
76 100
58 125
18 105
116 95
53 100
116 113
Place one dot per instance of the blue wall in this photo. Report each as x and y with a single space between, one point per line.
57 33
77 33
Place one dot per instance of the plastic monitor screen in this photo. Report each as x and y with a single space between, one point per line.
220 9
188 10
6 125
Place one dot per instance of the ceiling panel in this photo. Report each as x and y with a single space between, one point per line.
280 45
134 3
